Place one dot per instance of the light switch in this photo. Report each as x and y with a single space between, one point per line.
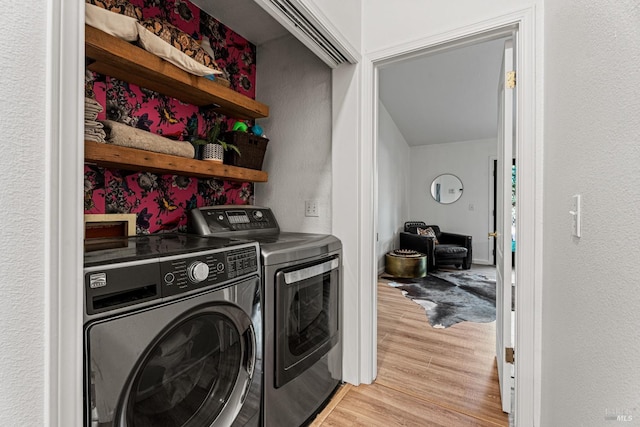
575 215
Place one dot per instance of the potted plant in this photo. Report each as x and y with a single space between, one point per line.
214 148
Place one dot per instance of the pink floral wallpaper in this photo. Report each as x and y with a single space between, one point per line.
161 202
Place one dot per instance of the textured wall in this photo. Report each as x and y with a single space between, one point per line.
394 188
591 293
469 161
297 87
22 305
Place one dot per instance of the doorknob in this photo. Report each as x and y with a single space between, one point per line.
494 234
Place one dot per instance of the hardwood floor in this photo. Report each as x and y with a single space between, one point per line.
426 376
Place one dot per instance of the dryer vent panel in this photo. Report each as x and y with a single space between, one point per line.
309 30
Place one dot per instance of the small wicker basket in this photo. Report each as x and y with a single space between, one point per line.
252 149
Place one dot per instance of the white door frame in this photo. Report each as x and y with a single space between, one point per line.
529 149
64 214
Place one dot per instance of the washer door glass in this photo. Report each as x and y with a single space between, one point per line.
189 374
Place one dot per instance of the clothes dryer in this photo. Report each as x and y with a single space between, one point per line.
302 290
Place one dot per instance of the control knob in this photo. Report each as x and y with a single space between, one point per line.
198 271
257 215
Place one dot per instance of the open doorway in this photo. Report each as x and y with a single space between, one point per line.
429 149
437 114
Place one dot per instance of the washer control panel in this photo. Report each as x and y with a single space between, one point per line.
182 274
145 270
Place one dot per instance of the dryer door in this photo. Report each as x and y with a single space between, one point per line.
195 371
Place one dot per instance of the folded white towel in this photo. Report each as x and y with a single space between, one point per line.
88 115
90 112
92 103
95 131
127 136
92 124
91 109
94 138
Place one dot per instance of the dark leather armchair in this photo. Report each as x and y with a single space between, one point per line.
452 249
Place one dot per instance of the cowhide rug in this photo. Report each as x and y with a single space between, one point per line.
452 297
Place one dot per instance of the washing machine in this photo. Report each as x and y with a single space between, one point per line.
172 332
302 289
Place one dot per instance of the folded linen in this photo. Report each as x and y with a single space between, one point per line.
92 124
94 138
99 132
92 107
97 135
127 136
92 104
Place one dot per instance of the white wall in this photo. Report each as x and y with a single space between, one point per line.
389 23
469 161
591 294
394 188
297 87
359 350
22 165
344 16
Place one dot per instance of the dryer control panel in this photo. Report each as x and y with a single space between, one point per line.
233 221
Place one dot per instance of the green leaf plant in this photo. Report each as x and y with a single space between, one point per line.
212 135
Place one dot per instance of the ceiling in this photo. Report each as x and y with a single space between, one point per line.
245 17
450 96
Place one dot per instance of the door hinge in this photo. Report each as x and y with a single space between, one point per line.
509 355
511 79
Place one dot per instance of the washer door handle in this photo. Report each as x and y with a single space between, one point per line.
249 361
250 353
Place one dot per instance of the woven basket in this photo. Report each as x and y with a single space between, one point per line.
252 149
221 81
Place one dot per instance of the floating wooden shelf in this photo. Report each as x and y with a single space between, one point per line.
114 156
125 61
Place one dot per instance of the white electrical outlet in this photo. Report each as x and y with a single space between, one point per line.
311 208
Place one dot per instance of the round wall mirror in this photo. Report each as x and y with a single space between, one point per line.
446 188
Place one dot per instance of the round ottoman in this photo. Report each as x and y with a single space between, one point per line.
405 263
